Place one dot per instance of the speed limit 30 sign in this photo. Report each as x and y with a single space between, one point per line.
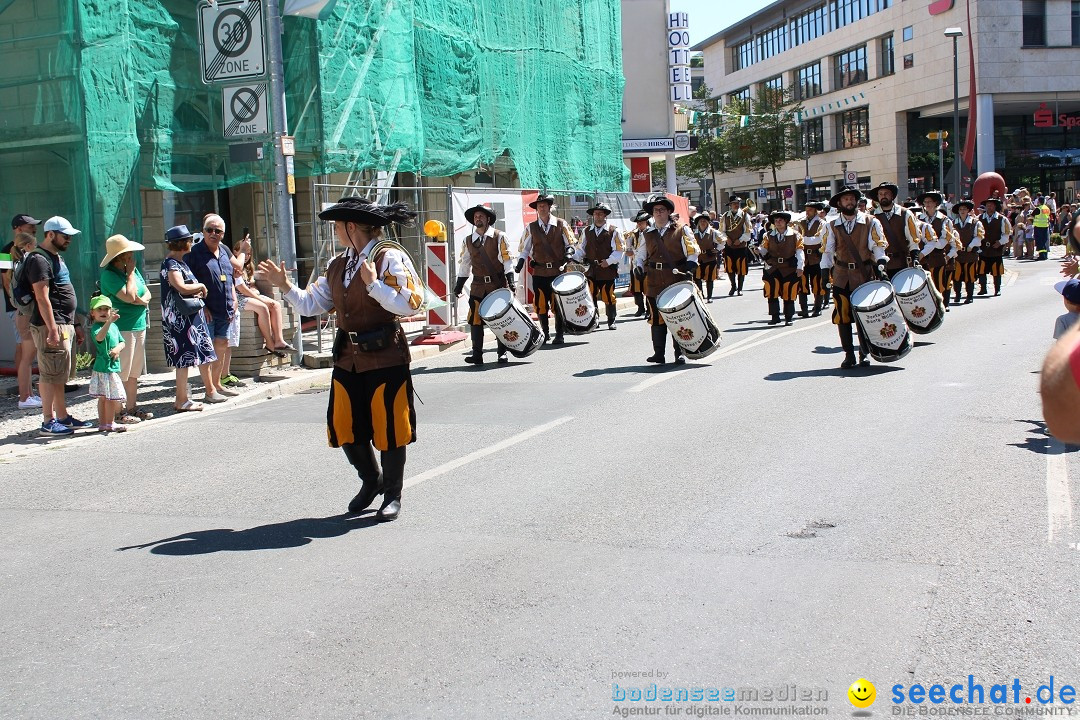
231 43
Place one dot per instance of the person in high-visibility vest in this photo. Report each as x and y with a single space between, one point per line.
1041 221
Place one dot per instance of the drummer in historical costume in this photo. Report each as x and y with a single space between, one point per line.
710 243
485 255
937 246
736 232
855 252
631 240
785 262
812 228
970 234
370 285
668 254
600 246
548 243
899 226
998 232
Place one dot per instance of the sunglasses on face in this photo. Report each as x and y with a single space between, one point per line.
213 231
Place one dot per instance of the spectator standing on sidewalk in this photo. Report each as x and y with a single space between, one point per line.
1041 221
105 383
52 325
25 229
211 262
187 341
123 283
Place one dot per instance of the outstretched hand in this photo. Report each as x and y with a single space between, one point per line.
276 274
1070 267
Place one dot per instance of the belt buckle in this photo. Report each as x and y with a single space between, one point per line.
352 337
487 280
780 261
658 266
852 266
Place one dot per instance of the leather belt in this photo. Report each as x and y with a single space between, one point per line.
853 266
655 266
486 280
780 261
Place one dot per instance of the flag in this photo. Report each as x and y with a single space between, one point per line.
798 119
744 121
5 261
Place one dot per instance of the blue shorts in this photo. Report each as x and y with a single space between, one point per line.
219 328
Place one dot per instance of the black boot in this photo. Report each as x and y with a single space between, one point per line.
502 354
708 291
679 359
774 311
997 285
956 293
970 293
558 329
393 462
982 284
697 282
741 279
848 343
803 302
476 333
731 277
659 334
945 297
819 301
639 300
864 349
545 327
611 317
827 297
789 311
362 457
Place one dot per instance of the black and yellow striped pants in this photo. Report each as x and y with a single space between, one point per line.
374 406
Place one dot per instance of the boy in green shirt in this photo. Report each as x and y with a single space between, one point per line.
105 383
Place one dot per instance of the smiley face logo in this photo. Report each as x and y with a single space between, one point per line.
862 693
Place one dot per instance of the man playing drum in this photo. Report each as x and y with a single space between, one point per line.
736 231
486 255
970 232
782 252
601 247
998 231
855 253
899 225
710 242
548 243
631 241
812 229
668 254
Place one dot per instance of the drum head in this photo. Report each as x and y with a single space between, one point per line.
568 283
675 296
496 303
871 293
908 281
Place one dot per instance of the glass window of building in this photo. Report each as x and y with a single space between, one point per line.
810 138
909 32
853 128
808 81
1034 23
1076 23
742 55
809 25
849 68
742 95
887 61
845 12
772 42
909 61
774 85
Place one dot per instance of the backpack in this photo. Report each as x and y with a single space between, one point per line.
22 292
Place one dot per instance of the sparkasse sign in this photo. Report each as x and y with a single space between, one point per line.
1044 118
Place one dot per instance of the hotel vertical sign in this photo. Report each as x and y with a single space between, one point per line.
678 29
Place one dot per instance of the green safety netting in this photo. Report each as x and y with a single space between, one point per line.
103 98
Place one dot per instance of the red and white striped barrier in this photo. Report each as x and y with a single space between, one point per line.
438 281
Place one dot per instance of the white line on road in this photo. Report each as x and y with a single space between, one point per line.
484 452
1014 276
734 349
1058 498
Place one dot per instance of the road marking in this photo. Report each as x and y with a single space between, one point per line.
1013 277
484 452
734 349
1058 498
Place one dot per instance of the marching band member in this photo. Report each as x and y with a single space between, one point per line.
665 256
371 390
548 243
813 230
601 247
998 231
785 262
710 242
938 244
736 231
855 253
486 256
899 226
970 232
631 241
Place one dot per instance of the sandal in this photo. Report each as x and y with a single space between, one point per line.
189 406
125 418
142 414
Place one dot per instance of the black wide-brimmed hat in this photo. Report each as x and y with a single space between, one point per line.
994 199
643 216
735 199
177 233
846 190
884 186
543 197
966 203
365 212
655 200
816 204
700 216
780 214
471 213
910 204
602 207
930 194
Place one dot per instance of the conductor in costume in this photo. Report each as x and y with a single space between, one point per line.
600 247
486 256
855 254
784 259
548 243
736 230
667 255
370 285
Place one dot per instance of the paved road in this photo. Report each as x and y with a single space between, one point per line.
569 520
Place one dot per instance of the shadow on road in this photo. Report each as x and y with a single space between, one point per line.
488 365
1042 442
276 536
822 350
641 369
833 372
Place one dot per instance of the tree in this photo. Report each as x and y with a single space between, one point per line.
713 155
772 132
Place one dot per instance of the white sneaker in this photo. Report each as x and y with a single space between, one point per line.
31 403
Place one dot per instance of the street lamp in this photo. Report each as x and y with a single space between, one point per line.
955 33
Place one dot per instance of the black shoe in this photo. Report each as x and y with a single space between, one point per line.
740 293
389 510
775 321
997 293
981 292
731 292
849 362
503 359
640 312
816 313
969 300
708 300
474 360
864 361
680 360
611 325
558 340
787 323
366 495
804 314
658 359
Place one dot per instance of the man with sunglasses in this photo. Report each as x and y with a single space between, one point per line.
211 262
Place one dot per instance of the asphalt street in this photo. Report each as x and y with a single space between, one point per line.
571 522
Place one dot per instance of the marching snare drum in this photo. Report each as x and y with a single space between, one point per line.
513 327
922 305
687 320
575 303
880 321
